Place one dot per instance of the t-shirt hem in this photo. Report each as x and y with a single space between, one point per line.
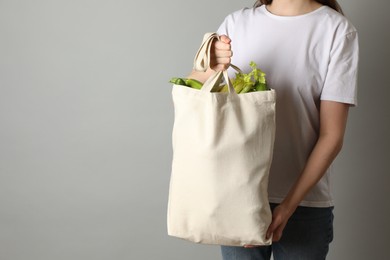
306 203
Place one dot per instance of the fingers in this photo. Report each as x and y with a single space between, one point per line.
221 54
220 45
219 67
225 39
222 60
250 246
276 229
271 228
277 235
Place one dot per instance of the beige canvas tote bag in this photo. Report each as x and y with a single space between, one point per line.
222 152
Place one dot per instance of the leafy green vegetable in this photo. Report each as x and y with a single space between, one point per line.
250 82
242 83
192 83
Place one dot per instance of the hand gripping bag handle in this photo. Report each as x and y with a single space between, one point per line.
202 63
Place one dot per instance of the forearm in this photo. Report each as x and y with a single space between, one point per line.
324 152
333 120
200 76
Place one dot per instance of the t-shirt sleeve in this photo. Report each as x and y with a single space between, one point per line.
226 26
341 78
223 28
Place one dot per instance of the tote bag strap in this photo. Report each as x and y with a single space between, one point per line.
202 57
202 63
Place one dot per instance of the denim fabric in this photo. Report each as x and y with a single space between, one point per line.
306 236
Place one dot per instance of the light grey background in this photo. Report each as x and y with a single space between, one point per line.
86 118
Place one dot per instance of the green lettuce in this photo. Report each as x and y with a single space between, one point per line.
250 82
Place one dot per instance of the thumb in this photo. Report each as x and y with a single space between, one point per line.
225 39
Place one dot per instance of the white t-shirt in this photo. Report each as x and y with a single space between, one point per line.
306 58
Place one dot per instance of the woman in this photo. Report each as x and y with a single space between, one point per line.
309 52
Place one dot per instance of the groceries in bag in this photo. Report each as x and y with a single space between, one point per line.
242 83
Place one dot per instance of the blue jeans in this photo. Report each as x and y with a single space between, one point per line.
306 236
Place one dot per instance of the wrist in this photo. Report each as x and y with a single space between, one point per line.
288 206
